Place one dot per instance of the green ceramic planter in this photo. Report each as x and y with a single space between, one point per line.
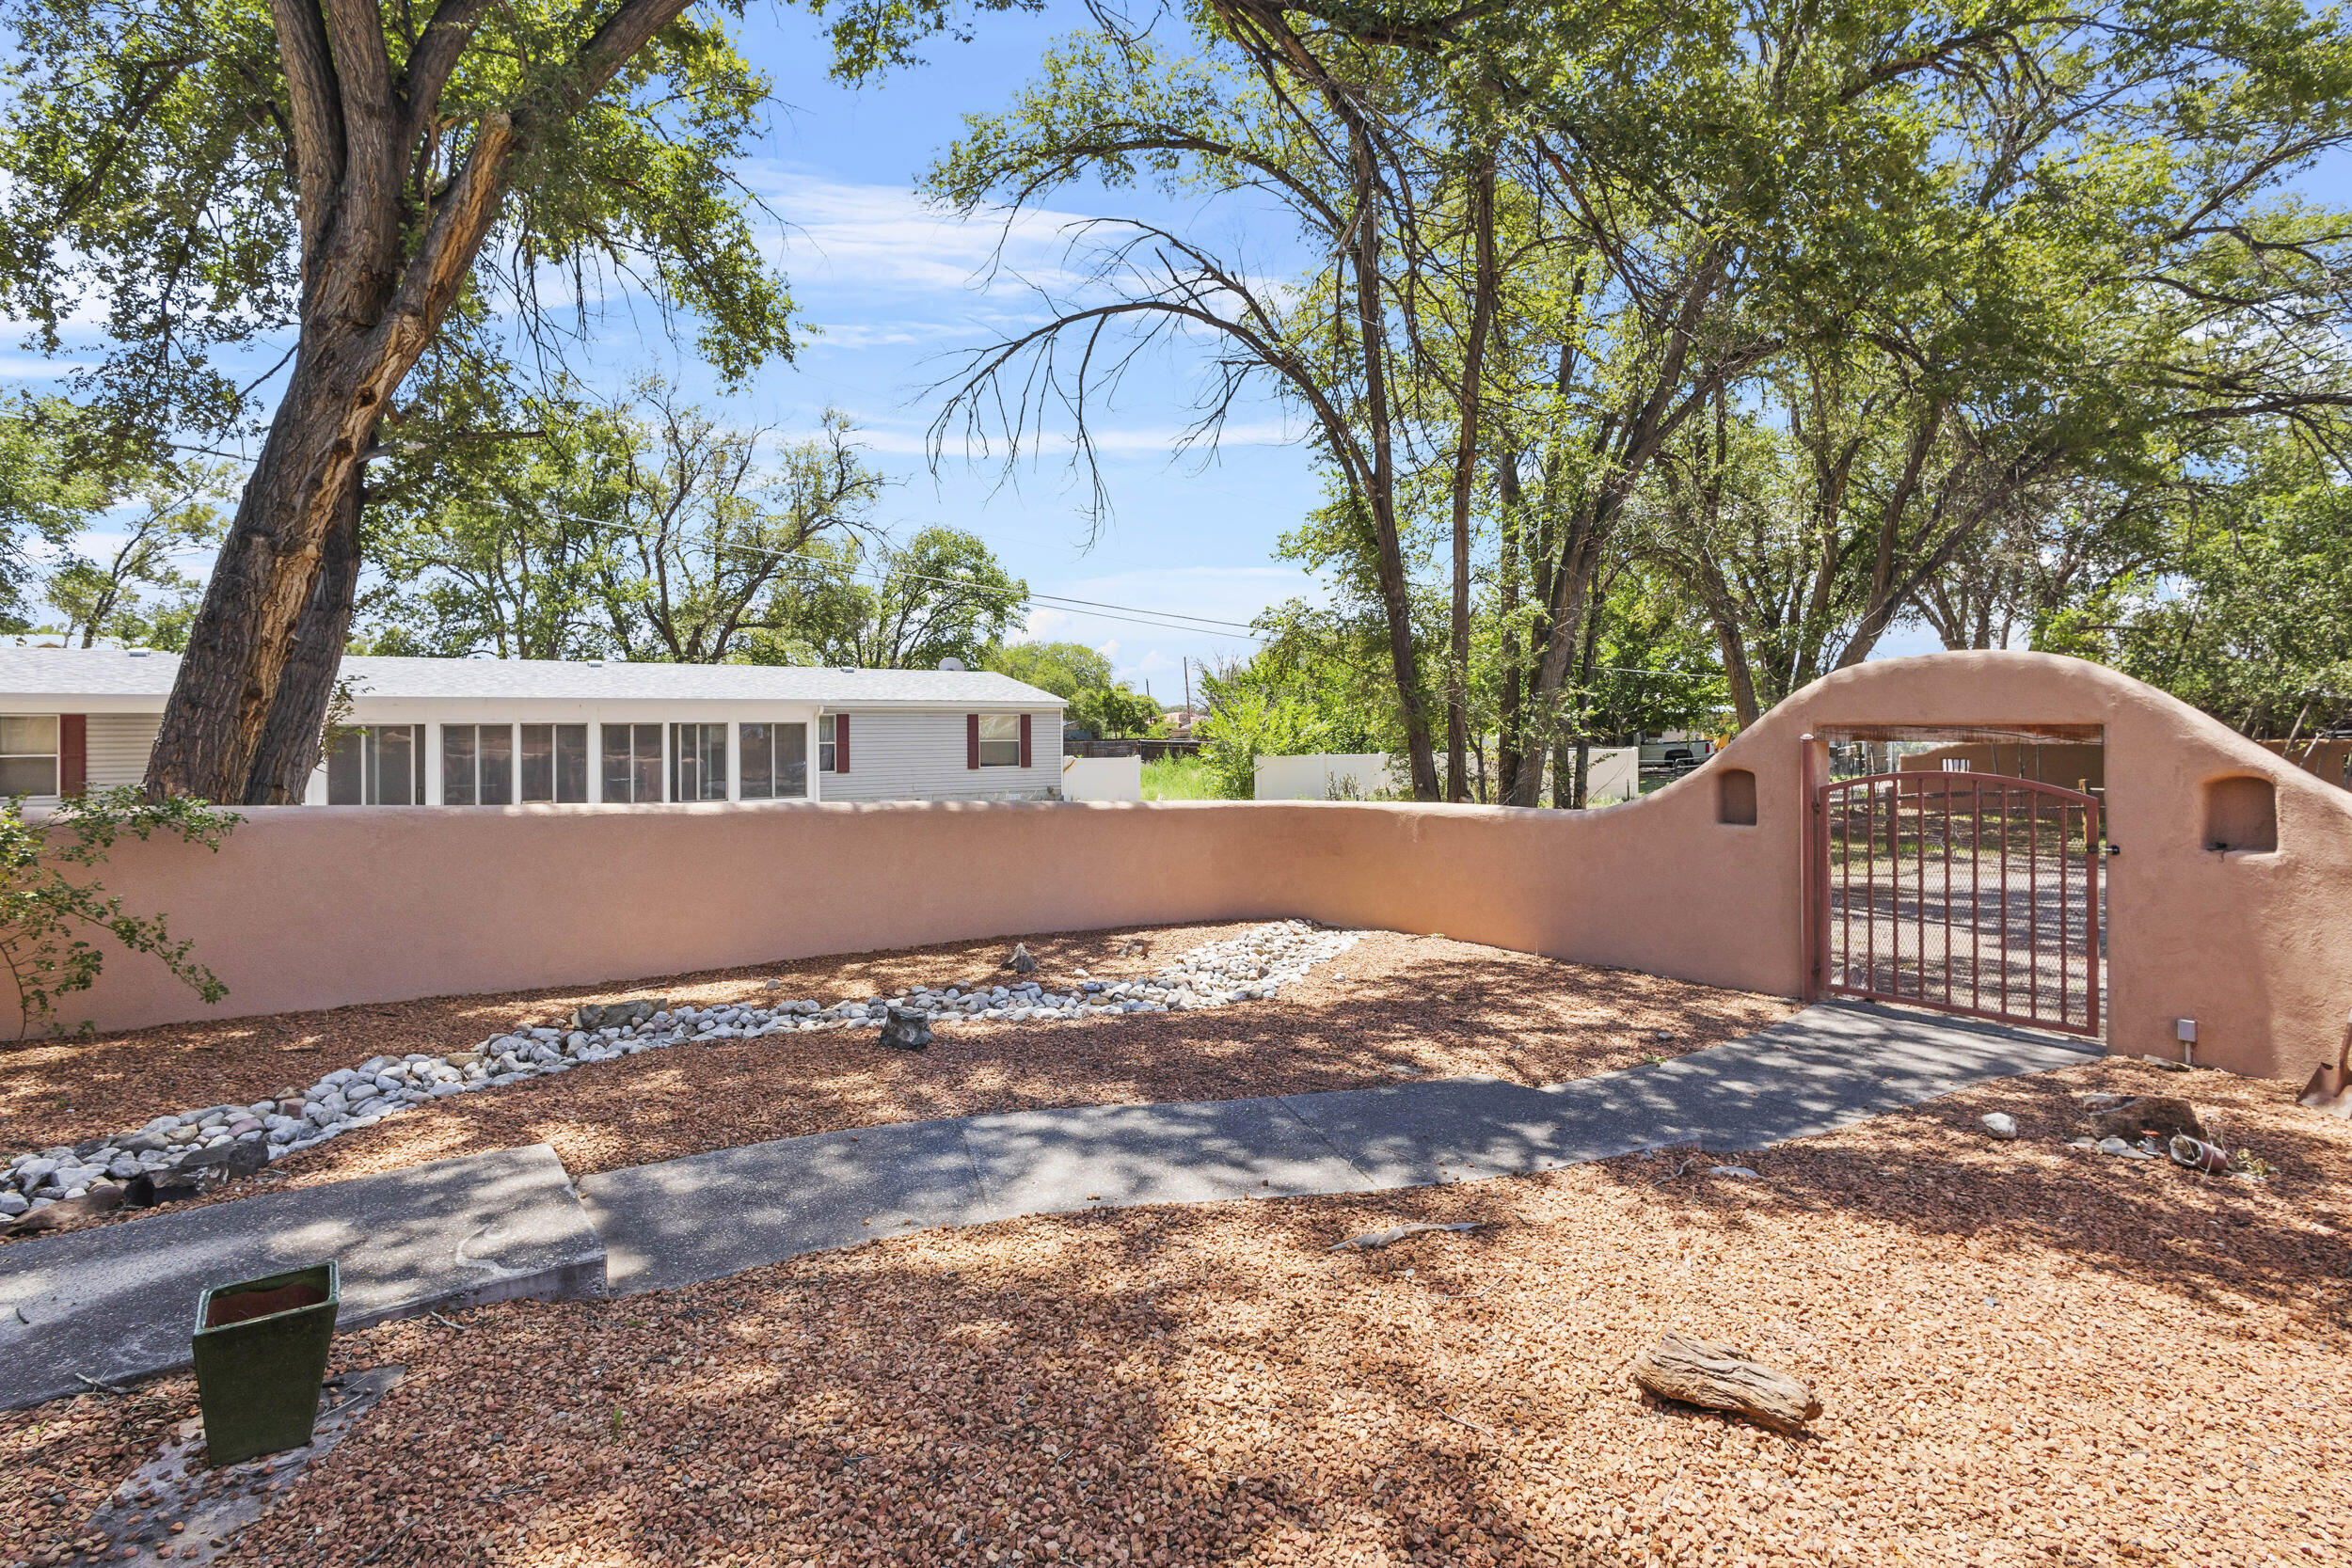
261 1357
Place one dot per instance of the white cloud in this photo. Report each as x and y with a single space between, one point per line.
32 369
874 237
1043 626
1156 440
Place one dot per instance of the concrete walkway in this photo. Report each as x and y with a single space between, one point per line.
116 1301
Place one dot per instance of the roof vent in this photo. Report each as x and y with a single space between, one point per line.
595 664
954 666
848 669
138 653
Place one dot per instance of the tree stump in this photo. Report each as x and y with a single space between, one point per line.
1715 1377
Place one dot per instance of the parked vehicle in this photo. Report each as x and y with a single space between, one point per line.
1676 754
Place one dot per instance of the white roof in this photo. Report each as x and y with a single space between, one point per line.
33 674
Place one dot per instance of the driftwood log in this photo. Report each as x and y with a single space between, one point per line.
1714 1377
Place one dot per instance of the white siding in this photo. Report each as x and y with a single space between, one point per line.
119 746
920 756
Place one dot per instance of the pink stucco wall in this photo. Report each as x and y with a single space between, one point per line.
312 907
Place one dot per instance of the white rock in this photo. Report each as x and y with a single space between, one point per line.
2000 1124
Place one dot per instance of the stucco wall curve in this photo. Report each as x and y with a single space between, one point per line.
310 907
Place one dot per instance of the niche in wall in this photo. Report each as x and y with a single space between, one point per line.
1735 797
2241 813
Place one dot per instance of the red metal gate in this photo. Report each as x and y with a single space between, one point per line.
1967 892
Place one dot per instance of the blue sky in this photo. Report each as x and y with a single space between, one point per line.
896 289
893 289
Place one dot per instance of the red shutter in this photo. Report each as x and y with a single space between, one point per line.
971 741
841 743
72 752
1025 740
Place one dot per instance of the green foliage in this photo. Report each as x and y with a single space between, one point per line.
1065 669
1261 709
138 597
1115 712
1800 330
45 496
1082 677
50 915
553 525
2254 623
148 154
887 605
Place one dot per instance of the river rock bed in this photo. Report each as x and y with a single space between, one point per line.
230 1139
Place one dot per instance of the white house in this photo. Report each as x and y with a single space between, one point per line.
464 732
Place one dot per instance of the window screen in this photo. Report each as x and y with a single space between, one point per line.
554 764
825 745
632 762
774 761
376 764
1000 740
28 755
477 765
698 765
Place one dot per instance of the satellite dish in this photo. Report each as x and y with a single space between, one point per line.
951 664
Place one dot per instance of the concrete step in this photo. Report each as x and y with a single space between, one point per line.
118 1301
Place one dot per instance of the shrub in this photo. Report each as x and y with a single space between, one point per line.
1250 723
48 918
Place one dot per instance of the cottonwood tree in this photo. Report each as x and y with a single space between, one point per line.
136 593
708 522
1268 113
880 604
45 497
210 177
484 526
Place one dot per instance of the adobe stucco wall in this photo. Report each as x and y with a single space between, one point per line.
314 906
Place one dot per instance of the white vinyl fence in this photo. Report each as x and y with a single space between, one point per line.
1101 778
1615 775
1327 776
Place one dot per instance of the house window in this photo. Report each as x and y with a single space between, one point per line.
555 764
827 750
774 761
1000 740
632 762
376 764
698 765
28 755
477 765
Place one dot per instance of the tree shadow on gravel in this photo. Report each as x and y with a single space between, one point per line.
1084 1390
2220 1242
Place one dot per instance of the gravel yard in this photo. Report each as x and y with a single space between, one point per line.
1392 1005
2028 1354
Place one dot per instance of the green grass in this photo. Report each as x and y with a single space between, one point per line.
1178 779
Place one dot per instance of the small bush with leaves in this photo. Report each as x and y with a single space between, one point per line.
48 917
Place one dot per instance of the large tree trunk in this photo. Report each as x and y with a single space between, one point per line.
265 578
1572 581
1465 473
288 750
1508 736
389 237
1395 593
1583 702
